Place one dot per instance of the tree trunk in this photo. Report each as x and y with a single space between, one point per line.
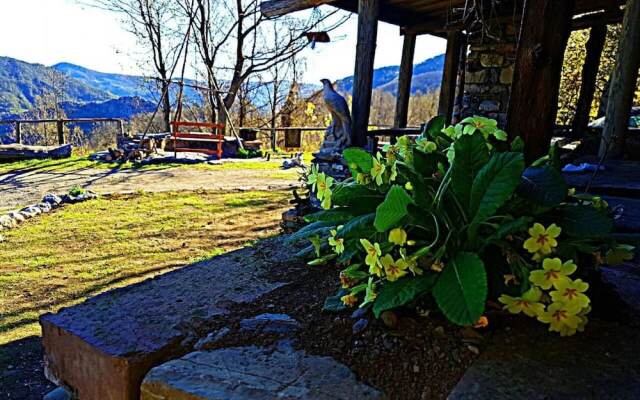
404 81
166 106
368 11
595 45
546 25
450 75
623 84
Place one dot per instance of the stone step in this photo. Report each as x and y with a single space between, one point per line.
103 348
254 373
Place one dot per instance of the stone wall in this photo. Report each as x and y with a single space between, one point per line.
488 77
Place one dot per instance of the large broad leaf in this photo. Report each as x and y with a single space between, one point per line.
334 304
400 292
393 209
471 154
494 184
359 227
316 228
334 215
354 194
543 186
358 160
434 127
508 228
461 289
584 221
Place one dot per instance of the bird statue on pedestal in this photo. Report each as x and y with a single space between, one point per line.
340 127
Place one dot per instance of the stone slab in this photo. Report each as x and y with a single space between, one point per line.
254 373
530 363
102 348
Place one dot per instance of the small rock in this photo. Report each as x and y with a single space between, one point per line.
416 369
58 394
388 343
390 319
473 349
1 238
30 212
438 330
15 215
211 339
7 222
53 199
270 323
44 207
360 326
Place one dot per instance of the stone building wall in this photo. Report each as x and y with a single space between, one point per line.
488 77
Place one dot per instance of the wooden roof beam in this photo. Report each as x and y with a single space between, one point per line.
276 8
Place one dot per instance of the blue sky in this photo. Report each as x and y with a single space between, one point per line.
66 30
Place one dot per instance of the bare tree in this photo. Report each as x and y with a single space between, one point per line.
236 42
158 25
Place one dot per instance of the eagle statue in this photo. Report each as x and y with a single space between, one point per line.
340 129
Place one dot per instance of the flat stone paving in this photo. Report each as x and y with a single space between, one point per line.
103 347
254 373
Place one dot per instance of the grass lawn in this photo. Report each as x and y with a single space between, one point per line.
75 163
75 252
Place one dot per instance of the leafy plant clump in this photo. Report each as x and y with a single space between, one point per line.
76 191
458 216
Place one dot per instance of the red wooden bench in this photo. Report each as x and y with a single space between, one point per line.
216 135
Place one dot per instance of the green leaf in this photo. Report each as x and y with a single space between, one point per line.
335 215
358 227
508 228
334 304
471 154
494 184
322 260
461 289
543 186
316 228
584 221
393 209
517 144
358 160
354 194
434 127
400 292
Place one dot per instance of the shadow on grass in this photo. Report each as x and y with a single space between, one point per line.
21 370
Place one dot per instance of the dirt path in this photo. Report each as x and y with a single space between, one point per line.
21 188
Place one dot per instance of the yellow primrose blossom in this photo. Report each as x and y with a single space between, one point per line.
408 186
324 190
312 178
349 300
377 170
398 236
552 273
336 243
528 303
542 239
373 253
561 318
394 269
571 293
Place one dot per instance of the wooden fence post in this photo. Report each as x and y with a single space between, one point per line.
18 133
60 129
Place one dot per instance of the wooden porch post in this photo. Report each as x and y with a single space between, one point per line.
450 75
368 11
623 83
595 44
533 104
404 80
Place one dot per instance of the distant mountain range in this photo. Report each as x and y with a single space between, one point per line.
89 93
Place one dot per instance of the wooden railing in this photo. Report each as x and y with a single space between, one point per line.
59 125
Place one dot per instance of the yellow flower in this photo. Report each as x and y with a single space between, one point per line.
324 185
408 186
349 300
542 240
528 303
437 266
552 273
336 243
373 253
377 170
482 322
561 318
398 236
412 264
571 293
394 269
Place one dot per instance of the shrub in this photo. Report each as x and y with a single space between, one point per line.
457 215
